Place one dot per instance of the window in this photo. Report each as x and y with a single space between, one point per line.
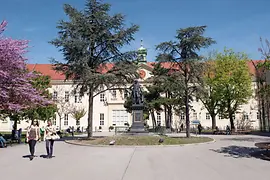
194 116
207 116
101 119
66 120
245 116
114 94
102 97
78 98
54 95
66 96
182 116
220 116
158 118
119 117
54 122
258 115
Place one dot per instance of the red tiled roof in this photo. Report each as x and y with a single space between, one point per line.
47 69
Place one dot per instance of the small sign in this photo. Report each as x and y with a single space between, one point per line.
137 117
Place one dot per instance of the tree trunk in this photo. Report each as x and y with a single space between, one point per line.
15 125
60 123
166 116
90 113
263 114
231 121
268 114
187 115
214 123
170 117
153 119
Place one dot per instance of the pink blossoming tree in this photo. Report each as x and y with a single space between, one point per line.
16 90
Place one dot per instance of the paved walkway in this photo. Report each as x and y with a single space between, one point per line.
230 157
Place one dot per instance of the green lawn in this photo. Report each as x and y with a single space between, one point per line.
143 140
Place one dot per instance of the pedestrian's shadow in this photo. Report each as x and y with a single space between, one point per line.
243 152
27 156
43 156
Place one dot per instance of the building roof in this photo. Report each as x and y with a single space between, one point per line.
47 69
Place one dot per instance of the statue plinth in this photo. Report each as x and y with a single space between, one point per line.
137 109
137 119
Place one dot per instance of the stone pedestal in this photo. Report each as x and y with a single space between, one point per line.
137 119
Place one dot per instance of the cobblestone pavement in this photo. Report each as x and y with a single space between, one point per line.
230 157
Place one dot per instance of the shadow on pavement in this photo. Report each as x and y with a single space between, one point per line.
243 152
248 139
26 156
265 134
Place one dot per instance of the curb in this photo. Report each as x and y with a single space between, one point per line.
143 146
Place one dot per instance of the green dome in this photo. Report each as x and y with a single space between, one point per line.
142 53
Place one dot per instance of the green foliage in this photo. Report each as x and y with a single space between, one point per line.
77 114
90 41
233 81
41 83
208 92
186 66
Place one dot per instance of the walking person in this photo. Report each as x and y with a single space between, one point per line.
200 128
49 136
32 136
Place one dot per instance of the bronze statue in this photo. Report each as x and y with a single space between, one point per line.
137 96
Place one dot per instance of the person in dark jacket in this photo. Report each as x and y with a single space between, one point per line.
200 128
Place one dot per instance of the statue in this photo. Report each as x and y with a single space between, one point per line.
137 96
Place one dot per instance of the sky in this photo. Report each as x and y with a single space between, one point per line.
236 24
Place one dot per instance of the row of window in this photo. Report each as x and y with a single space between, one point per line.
66 119
207 116
114 95
77 97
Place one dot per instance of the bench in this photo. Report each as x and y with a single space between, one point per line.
242 132
12 139
263 145
219 132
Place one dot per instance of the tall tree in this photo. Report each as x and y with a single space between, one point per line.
16 90
90 41
183 55
164 81
262 69
234 82
208 91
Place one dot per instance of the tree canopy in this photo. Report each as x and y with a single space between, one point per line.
233 82
91 41
16 90
183 55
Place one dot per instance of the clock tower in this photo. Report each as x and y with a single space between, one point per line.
142 53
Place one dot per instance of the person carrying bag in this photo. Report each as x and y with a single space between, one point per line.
50 136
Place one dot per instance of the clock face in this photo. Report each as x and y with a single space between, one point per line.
142 73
